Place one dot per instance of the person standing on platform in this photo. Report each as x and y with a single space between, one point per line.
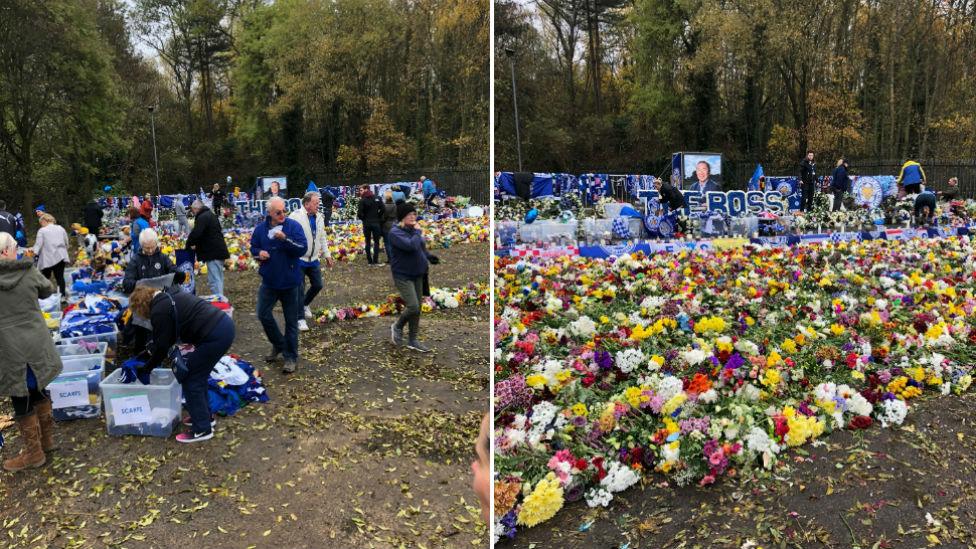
839 184
808 180
912 177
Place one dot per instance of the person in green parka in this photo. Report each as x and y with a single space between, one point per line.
28 359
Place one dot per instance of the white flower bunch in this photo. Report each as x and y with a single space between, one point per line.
892 412
629 359
582 327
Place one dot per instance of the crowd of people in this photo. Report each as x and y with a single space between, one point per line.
292 250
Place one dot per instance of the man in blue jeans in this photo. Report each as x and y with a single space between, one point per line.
277 243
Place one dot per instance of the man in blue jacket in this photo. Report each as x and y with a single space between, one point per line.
278 243
912 177
429 189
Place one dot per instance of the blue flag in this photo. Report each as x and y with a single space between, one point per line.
754 181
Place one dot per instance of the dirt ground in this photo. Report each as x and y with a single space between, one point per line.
906 487
365 446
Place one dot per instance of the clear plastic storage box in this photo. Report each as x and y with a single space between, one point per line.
143 410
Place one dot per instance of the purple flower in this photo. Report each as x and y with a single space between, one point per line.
603 360
512 392
508 523
735 361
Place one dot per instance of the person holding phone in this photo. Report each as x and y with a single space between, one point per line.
278 243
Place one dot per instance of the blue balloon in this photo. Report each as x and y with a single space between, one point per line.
531 215
107 188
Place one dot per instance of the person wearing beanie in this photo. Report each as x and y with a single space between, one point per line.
409 263
371 214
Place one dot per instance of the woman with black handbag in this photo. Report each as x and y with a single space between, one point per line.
179 317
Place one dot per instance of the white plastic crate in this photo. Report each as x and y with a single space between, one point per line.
68 351
76 394
110 338
142 410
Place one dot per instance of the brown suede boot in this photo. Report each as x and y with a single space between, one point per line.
32 455
46 419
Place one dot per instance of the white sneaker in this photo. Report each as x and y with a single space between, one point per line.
308 313
302 325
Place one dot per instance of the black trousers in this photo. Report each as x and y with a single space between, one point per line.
58 272
24 405
913 188
838 200
806 203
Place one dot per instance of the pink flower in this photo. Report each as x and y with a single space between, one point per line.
706 480
716 457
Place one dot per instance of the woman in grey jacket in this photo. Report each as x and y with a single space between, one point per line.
28 361
389 219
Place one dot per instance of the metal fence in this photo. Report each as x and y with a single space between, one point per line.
473 182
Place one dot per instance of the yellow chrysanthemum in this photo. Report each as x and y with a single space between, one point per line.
543 503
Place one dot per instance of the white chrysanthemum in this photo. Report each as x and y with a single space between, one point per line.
598 497
619 477
825 391
668 387
747 347
583 327
750 392
693 356
892 412
629 359
708 397
652 302
859 406
759 441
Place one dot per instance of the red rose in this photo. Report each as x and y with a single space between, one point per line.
860 422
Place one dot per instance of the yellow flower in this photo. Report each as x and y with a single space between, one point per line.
789 346
710 324
934 331
640 333
604 319
579 409
896 385
750 321
658 359
543 503
536 381
802 429
857 375
563 376
673 404
917 373
774 359
836 329
771 378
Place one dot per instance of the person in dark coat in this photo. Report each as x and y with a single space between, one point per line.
150 262
178 315
952 190
808 179
93 217
840 183
670 195
389 219
409 264
8 221
371 214
217 199
28 361
328 200
207 240
924 207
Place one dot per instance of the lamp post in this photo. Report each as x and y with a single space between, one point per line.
152 124
510 53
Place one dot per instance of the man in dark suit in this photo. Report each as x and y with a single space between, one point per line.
703 179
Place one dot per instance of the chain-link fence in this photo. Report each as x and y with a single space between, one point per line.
473 182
